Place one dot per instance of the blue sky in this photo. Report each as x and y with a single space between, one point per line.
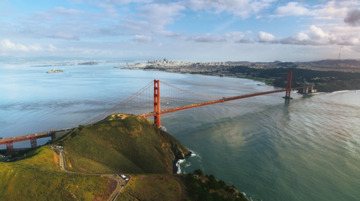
190 30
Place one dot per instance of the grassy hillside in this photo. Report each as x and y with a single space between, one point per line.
190 187
157 187
121 143
117 144
38 178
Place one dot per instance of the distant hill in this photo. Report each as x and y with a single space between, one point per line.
336 64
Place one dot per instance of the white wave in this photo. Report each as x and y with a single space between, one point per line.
163 128
187 165
194 154
181 161
342 91
178 163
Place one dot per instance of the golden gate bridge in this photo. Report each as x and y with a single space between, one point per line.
153 100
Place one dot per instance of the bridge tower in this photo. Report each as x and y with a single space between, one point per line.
52 134
33 142
288 85
9 148
157 116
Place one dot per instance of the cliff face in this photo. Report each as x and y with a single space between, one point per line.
123 143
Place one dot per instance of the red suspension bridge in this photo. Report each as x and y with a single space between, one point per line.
148 102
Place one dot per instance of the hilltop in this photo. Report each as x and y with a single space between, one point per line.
119 144
122 143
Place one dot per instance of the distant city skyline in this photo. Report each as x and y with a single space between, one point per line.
188 30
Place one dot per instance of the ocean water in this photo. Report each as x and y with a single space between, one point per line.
306 149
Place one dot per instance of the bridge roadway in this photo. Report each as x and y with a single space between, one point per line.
225 99
32 137
51 134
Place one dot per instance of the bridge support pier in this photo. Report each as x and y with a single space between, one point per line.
288 85
307 90
33 142
310 89
157 116
52 133
9 148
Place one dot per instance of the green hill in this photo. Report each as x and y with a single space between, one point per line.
119 144
38 178
122 143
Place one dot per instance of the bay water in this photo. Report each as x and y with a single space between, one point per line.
305 149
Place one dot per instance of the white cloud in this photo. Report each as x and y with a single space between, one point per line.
111 7
122 2
346 35
242 8
161 14
234 37
52 48
317 36
317 33
209 38
292 9
152 20
265 37
64 11
334 10
143 38
65 36
94 31
57 13
7 45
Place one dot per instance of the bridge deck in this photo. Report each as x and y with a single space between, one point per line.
225 99
11 140
30 136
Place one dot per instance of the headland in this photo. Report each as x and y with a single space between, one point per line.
122 157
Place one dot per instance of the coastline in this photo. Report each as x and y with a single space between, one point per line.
153 176
323 81
181 161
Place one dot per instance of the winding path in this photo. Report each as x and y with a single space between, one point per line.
120 182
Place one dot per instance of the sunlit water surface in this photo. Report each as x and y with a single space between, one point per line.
308 149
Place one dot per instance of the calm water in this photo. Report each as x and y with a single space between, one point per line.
308 149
